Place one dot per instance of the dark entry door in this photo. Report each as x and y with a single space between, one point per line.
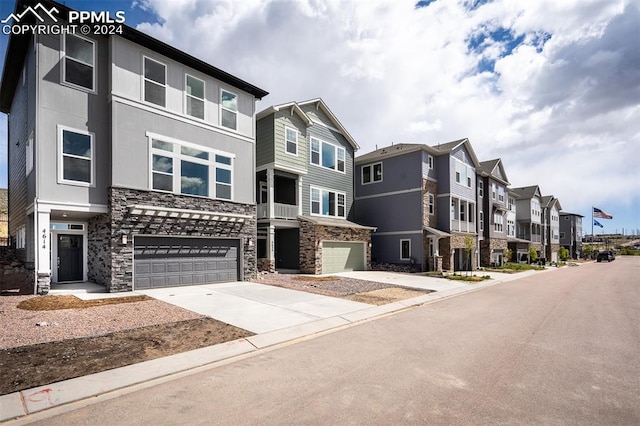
69 257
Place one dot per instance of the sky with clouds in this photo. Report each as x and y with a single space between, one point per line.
552 87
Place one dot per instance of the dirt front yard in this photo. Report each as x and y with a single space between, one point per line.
46 339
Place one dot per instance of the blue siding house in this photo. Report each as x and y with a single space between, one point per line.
422 199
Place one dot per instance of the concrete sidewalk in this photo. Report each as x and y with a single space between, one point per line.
45 401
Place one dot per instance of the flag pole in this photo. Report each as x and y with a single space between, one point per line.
592 227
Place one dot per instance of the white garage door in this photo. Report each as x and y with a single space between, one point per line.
342 256
171 261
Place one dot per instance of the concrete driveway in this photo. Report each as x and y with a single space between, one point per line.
255 307
417 281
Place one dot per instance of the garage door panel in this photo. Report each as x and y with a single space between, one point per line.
339 256
174 261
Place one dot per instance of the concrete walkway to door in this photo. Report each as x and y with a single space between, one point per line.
255 307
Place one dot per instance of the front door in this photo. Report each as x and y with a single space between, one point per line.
69 257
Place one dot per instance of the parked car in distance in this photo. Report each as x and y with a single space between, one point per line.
607 256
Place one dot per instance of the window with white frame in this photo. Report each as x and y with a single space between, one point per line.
190 170
194 96
498 222
430 161
155 82
511 204
405 249
76 156
481 220
501 194
29 156
327 155
291 140
21 237
327 203
493 190
480 188
371 173
228 109
431 202
78 64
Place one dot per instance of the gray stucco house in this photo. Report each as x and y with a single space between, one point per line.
304 181
422 199
131 163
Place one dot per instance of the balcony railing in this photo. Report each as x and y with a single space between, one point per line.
463 226
280 211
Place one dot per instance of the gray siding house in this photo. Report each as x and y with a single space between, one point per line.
551 223
130 162
493 206
304 182
529 222
571 233
422 199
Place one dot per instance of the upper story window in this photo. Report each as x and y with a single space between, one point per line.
155 82
493 190
327 203
430 161
371 173
194 97
498 222
327 155
228 109
511 204
500 194
431 201
481 220
29 156
190 170
78 65
480 188
76 157
291 140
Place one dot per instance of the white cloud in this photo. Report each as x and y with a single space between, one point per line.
561 114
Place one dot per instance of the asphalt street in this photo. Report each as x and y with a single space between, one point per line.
559 347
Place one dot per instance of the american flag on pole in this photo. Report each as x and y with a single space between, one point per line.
601 214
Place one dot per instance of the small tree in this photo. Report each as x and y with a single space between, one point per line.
533 255
507 255
563 253
587 251
468 248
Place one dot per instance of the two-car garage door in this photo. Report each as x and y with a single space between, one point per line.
341 256
172 261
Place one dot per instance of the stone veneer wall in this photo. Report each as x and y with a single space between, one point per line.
312 235
551 248
456 241
429 187
99 249
487 246
266 265
125 223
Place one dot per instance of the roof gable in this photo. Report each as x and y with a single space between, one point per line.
454 146
495 169
319 104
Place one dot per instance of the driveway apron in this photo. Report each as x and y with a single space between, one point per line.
255 307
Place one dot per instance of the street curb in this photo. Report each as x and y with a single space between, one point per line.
15 406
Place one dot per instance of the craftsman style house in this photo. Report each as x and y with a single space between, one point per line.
304 182
422 199
130 162
493 206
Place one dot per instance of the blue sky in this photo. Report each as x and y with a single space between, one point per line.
550 87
